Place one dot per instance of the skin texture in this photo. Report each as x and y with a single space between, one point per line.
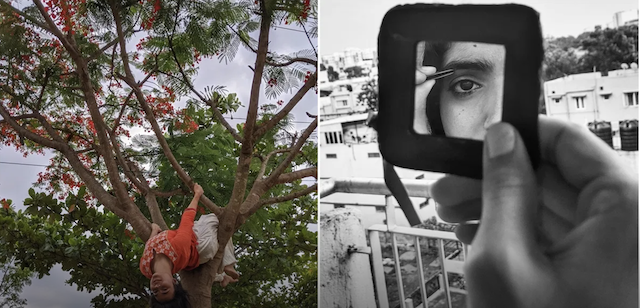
563 236
162 282
423 87
471 98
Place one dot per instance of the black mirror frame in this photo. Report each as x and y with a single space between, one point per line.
516 27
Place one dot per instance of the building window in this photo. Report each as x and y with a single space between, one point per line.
631 99
333 137
332 155
374 155
342 103
579 100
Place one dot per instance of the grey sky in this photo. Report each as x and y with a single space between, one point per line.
355 23
15 180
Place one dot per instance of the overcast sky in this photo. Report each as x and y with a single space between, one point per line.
356 23
18 173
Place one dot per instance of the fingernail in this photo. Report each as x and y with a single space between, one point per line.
500 140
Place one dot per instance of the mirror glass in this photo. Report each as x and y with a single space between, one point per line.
458 88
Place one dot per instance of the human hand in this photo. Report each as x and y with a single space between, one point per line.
566 238
197 190
423 87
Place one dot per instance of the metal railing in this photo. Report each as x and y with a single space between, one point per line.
415 188
447 266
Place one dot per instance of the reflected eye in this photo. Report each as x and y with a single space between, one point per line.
464 87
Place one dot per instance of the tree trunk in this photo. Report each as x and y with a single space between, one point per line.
198 283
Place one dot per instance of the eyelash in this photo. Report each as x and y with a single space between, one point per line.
463 93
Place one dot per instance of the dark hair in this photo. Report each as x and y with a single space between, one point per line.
434 56
180 299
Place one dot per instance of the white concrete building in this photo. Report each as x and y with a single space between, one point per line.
349 149
624 18
584 98
351 57
340 98
590 97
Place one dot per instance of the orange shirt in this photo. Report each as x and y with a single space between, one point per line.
179 245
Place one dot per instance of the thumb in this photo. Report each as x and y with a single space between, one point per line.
509 190
504 258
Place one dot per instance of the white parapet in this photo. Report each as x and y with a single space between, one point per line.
345 278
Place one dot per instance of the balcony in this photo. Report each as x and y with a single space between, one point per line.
407 264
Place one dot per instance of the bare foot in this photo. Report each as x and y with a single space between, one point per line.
227 280
229 270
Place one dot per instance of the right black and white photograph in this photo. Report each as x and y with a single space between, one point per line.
478 154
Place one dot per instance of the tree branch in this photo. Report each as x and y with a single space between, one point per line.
55 31
212 104
216 112
20 117
44 86
246 150
288 197
296 175
103 49
308 38
166 194
266 126
154 210
150 117
293 60
272 179
26 133
265 161
27 17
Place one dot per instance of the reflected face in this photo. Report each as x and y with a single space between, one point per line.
471 98
162 286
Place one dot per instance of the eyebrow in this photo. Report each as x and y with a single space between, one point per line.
474 64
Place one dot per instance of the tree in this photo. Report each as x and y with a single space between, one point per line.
601 49
354 72
332 75
69 83
12 278
608 48
369 94
560 59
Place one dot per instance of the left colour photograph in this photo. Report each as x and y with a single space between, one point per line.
158 153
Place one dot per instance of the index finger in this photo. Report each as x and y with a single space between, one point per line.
579 155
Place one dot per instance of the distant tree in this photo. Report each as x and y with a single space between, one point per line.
12 280
607 49
369 94
12 277
322 67
560 59
354 71
333 75
602 49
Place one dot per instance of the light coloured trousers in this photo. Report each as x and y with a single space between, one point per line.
206 230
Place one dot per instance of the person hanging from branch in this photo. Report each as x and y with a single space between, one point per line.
193 243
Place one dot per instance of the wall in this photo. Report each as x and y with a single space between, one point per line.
345 278
604 98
